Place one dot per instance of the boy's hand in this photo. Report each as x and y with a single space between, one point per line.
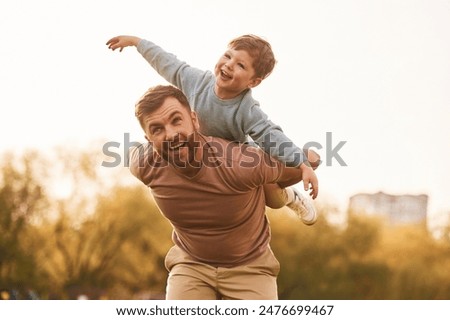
310 180
122 42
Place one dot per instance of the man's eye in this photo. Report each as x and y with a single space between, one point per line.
156 130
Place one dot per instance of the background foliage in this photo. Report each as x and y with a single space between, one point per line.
107 239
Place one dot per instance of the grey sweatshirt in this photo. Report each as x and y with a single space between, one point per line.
232 119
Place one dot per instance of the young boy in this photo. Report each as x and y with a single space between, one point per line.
225 107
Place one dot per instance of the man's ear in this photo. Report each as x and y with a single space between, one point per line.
195 120
254 82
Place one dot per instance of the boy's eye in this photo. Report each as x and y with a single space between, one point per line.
226 55
241 65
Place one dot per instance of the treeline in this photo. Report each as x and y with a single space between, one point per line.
366 259
105 238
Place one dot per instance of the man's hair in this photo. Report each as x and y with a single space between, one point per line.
154 98
259 49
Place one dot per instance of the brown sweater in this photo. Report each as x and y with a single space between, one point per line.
218 215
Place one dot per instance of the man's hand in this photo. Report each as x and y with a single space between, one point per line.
310 181
121 42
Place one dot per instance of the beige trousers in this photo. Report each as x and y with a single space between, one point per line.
192 280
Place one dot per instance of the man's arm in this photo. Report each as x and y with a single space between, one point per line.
265 169
303 172
274 142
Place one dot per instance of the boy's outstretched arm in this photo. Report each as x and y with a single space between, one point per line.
121 42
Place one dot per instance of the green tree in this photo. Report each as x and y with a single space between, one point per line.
120 248
419 263
310 257
325 262
108 238
22 201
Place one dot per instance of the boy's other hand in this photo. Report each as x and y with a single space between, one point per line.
121 42
310 180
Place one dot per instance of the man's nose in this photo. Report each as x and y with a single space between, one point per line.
171 133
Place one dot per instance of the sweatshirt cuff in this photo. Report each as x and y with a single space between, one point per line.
141 45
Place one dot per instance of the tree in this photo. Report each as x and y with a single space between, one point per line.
22 201
107 238
324 262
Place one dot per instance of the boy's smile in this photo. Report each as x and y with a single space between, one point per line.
234 73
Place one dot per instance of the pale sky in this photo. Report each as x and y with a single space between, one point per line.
375 74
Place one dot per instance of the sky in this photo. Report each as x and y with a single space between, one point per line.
371 76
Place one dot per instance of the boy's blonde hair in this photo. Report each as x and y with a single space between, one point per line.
259 49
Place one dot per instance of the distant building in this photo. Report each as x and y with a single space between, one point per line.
397 209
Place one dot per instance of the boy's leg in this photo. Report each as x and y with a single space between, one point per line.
189 279
303 208
277 197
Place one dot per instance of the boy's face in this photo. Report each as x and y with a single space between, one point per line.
171 131
234 73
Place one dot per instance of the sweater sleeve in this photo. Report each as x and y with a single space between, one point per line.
175 71
263 169
270 137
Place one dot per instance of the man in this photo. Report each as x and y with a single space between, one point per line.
211 190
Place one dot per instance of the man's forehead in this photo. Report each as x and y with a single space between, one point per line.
171 101
166 111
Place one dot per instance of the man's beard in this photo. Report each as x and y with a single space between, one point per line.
181 150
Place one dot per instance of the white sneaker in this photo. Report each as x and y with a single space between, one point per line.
303 207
